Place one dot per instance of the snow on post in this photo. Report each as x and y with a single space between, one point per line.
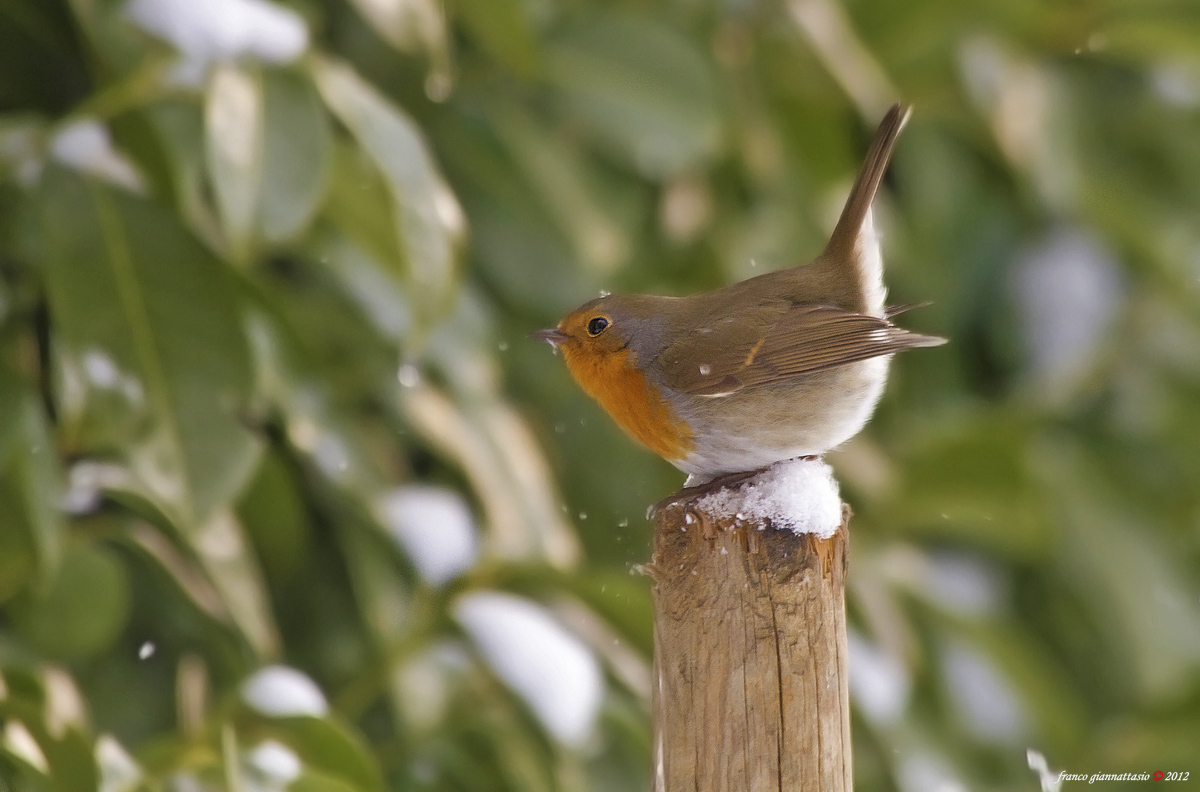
800 495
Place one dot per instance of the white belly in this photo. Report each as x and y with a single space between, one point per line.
805 416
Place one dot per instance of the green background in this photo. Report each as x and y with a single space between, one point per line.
279 291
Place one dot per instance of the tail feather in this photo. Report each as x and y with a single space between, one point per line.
845 234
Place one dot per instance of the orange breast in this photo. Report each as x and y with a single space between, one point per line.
633 403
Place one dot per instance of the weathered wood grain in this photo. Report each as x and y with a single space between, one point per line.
750 657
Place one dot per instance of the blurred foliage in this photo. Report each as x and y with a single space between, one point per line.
257 298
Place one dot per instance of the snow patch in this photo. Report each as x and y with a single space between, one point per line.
552 670
986 702
281 692
963 584
275 762
1177 84
87 483
86 146
879 682
118 771
800 495
435 528
206 31
332 456
101 371
926 771
1069 291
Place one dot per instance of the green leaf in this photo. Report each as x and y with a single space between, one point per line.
115 45
408 25
414 26
30 523
229 560
427 217
296 155
1158 32
233 124
18 560
381 299
84 607
386 604
568 190
503 30
266 153
319 782
20 761
19 138
641 88
72 765
1045 691
500 457
274 514
178 126
154 365
1140 594
516 245
329 748
361 206
136 136
985 493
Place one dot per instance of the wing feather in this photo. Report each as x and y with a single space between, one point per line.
717 360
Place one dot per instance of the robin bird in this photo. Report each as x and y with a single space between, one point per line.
787 364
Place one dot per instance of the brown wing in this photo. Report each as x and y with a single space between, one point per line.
802 339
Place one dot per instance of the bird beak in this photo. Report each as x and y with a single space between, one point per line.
553 336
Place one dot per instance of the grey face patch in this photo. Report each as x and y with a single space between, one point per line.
641 319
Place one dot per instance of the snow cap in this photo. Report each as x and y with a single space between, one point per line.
800 495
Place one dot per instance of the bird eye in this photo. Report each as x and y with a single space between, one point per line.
597 326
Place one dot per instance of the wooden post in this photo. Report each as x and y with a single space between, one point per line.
751 687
